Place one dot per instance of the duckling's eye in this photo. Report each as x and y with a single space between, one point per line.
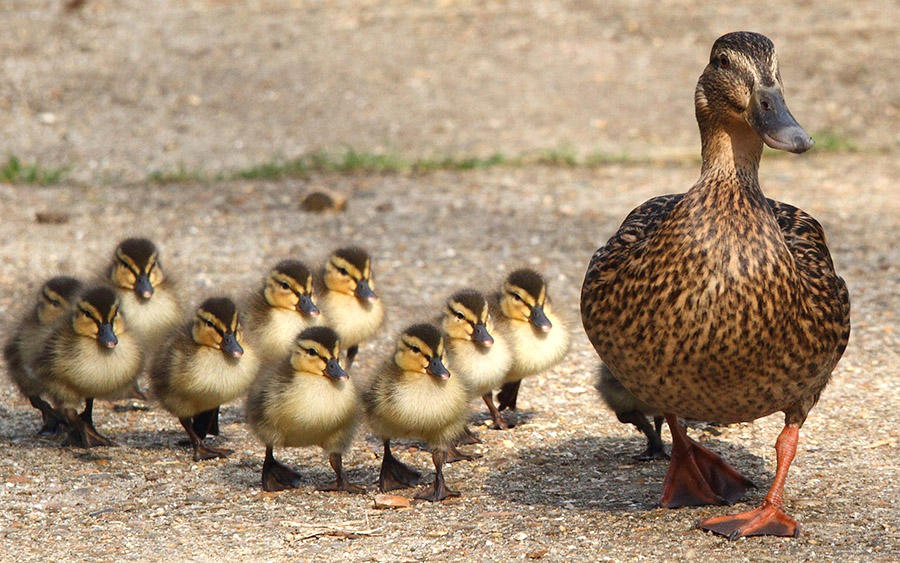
343 271
311 351
516 296
459 315
415 349
209 324
284 285
723 61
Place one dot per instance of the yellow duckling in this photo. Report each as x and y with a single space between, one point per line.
414 395
307 400
204 365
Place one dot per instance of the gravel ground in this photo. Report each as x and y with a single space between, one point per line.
118 89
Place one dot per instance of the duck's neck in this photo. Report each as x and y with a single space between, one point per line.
731 151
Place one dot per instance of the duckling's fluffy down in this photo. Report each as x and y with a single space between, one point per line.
20 353
481 368
414 405
273 330
353 320
287 408
74 367
190 379
534 351
151 320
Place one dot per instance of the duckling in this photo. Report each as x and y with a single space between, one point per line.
89 354
719 304
477 353
629 409
414 395
281 309
204 365
307 400
25 344
348 301
148 296
539 339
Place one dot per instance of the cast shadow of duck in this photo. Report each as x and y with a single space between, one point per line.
599 473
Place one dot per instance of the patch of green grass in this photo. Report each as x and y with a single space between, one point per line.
15 172
564 156
833 140
180 175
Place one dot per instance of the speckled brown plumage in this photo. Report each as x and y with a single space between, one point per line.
719 304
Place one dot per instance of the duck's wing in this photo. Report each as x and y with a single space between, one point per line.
637 226
827 291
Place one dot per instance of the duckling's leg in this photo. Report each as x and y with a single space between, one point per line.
454 455
768 519
499 423
351 355
340 481
655 449
697 476
82 433
393 474
206 423
508 394
276 476
53 422
201 450
438 490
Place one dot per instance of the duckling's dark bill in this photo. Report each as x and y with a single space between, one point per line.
364 292
539 319
481 335
335 371
106 336
143 287
231 347
307 307
436 368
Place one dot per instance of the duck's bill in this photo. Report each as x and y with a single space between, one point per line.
335 371
143 287
106 336
436 369
306 306
364 291
769 116
539 319
480 335
231 347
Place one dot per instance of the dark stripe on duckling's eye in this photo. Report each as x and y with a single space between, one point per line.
515 296
89 315
128 267
52 300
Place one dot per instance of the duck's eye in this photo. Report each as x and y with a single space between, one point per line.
311 351
459 315
343 271
209 324
723 61
516 297
284 285
415 349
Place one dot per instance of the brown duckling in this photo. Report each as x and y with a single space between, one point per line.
538 338
414 395
148 296
306 400
204 365
89 354
25 344
630 410
348 300
281 309
719 304
476 352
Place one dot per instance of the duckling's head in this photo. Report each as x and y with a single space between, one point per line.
317 350
96 315
524 298
217 325
136 266
466 317
56 296
420 349
290 286
742 83
349 270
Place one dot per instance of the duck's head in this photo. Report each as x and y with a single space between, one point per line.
524 298
317 350
290 286
420 349
96 315
467 317
349 270
742 83
217 325
136 266
56 297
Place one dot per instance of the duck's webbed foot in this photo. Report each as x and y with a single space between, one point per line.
202 451
768 519
454 455
277 476
53 422
340 482
394 474
697 476
82 433
438 490
468 438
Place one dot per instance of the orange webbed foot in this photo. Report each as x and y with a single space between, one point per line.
766 520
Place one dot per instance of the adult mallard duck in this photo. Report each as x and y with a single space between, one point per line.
719 304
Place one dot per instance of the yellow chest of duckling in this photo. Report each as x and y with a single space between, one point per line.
353 320
275 333
481 368
150 320
534 351
205 379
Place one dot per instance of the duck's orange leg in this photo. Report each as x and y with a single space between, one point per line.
697 476
768 519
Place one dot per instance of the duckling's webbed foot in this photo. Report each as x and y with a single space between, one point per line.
394 474
655 449
82 433
438 490
136 392
276 476
201 450
53 423
468 438
499 423
340 482
454 455
506 397
697 476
